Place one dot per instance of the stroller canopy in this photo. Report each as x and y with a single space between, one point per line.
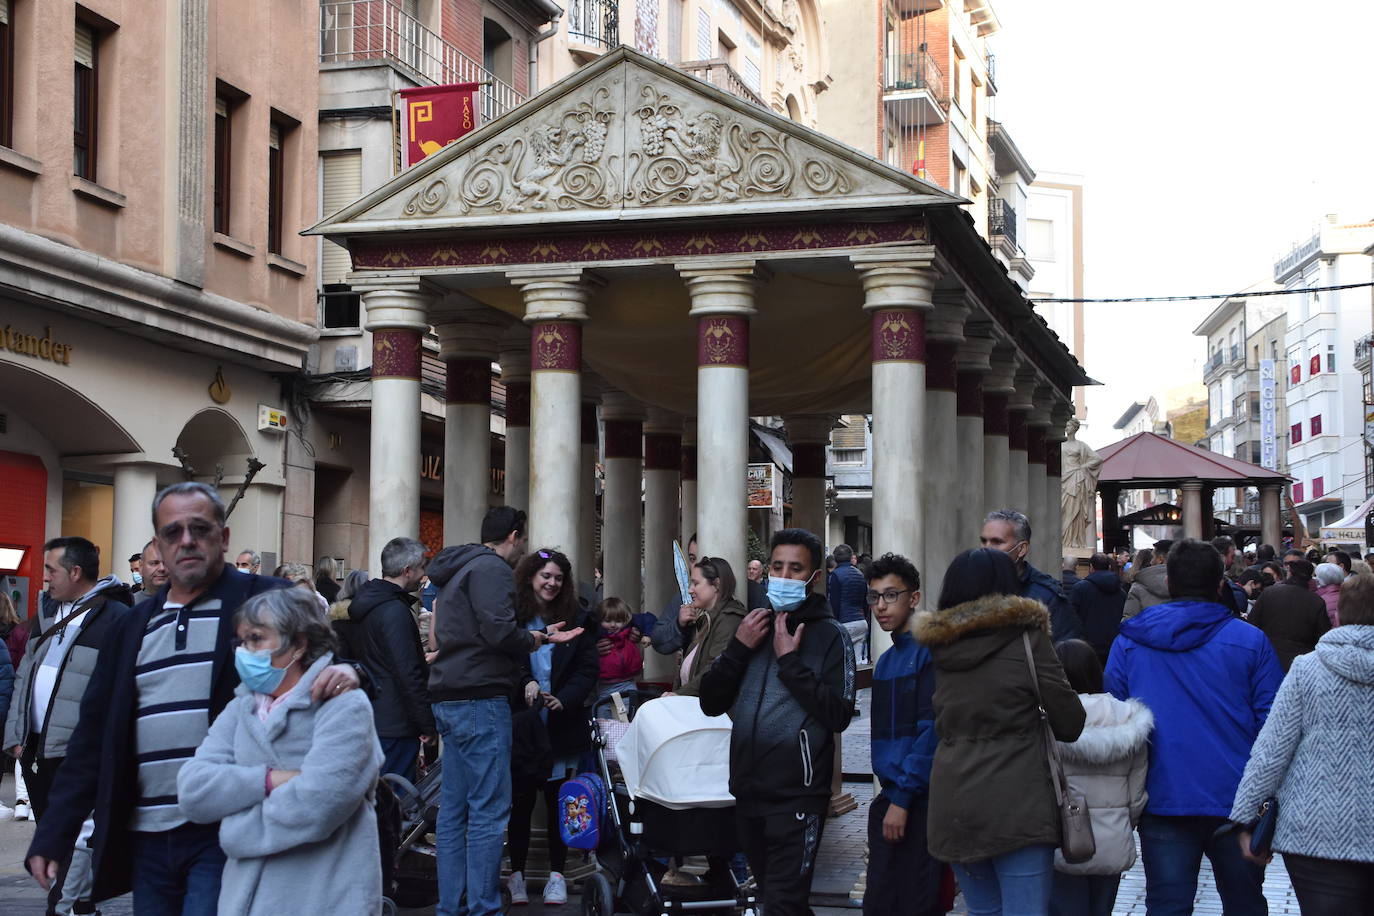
677 756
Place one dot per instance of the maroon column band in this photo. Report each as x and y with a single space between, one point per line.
623 438
662 452
467 381
689 462
1035 444
396 354
1016 429
899 336
808 460
556 346
995 416
723 341
969 394
518 403
941 373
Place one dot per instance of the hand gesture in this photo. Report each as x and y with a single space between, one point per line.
604 647
783 641
686 615
754 628
894 824
552 702
556 633
531 692
334 680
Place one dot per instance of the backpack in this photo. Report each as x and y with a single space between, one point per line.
581 810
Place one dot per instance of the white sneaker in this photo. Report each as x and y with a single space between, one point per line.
6 811
556 890
516 884
21 811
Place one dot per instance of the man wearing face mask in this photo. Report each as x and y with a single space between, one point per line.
1010 532
787 680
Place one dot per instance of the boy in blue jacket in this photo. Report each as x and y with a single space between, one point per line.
902 876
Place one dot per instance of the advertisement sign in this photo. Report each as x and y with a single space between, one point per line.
1369 425
763 486
432 117
1268 405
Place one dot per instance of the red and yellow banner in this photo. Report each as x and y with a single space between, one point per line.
432 117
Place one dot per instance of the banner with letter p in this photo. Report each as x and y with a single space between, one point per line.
432 117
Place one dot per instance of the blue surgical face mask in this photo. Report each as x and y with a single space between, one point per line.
786 594
256 670
138 578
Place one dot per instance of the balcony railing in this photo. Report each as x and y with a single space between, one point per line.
720 74
1236 352
1362 348
1213 362
916 71
594 22
363 30
992 74
1002 220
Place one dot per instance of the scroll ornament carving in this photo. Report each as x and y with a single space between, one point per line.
558 164
695 158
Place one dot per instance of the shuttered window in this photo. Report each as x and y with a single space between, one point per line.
275 188
84 113
849 443
705 40
343 184
223 159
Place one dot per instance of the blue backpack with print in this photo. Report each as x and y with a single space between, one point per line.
581 810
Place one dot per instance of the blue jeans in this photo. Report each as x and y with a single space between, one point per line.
1172 849
177 872
474 804
1016 883
399 756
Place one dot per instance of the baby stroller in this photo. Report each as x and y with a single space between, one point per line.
668 775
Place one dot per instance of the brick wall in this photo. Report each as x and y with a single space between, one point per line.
461 26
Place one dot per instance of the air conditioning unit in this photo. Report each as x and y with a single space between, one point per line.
270 419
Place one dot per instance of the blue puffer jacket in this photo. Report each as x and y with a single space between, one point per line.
846 589
903 720
1210 680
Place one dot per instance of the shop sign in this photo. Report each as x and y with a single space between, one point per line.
37 347
763 486
1269 439
431 467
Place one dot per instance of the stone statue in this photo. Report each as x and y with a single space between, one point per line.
1078 495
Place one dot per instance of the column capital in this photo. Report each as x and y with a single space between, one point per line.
396 309
1002 365
974 354
468 340
809 428
555 293
723 287
1061 412
1273 487
1023 395
513 352
946 320
1190 486
1042 401
897 279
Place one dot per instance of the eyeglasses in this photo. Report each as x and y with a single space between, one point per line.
888 597
199 531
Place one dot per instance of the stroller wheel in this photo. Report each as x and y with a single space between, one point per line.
388 908
597 898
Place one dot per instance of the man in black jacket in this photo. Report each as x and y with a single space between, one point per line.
787 694
389 642
1098 601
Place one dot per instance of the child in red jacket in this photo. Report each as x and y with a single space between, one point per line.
622 665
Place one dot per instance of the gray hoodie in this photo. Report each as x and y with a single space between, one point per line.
480 644
1148 589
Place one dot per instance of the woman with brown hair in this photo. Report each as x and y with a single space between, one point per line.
710 620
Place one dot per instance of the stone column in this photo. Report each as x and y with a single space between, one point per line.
808 435
662 475
944 332
467 349
689 483
722 303
898 287
998 385
1191 498
1045 548
1112 535
1019 405
971 364
555 308
622 502
515 376
1060 414
588 518
135 485
1271 519
398 320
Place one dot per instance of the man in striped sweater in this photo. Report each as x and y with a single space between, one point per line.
165 672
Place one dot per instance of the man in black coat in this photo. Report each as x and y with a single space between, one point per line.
1098 601
389 642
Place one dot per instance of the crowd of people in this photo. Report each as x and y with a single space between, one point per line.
211 738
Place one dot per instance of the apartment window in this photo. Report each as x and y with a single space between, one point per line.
1318 487
223 161
341 181
6 76
1299 496
1330 357
1295 433
1316 424
84 109
275 170
1040 239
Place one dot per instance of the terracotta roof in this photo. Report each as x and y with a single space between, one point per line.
1151 459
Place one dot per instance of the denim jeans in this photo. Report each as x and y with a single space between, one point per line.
1172 849
474 804
177 872
1016 883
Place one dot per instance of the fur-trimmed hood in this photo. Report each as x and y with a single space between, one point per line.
964 636
1114 730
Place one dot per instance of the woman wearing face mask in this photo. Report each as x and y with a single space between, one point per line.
289 780
562 676
713 616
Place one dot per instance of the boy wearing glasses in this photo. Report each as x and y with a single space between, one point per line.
902 876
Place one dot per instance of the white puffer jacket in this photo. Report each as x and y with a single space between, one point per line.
1108 764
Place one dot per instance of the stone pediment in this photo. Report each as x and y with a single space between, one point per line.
628 137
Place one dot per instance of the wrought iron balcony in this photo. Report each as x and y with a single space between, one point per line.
1002 220
1213 363
595 23
720 74
368 30
915 71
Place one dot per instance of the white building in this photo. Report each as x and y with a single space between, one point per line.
1324 398
1054 245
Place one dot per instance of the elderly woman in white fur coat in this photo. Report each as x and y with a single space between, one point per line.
1107 764
288 778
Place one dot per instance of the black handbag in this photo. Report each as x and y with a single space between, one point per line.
1262 834
1076 843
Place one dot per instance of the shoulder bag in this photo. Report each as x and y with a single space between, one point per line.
1076 826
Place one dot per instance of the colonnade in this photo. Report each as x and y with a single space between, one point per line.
963 423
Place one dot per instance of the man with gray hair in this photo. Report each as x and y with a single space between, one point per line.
249 561
386 636
1010 532
165 671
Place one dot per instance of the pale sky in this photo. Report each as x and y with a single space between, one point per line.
1211 137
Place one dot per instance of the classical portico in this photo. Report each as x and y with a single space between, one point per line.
705 261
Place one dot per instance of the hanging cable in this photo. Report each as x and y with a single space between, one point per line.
1241 295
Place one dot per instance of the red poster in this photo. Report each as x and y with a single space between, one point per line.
432 117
